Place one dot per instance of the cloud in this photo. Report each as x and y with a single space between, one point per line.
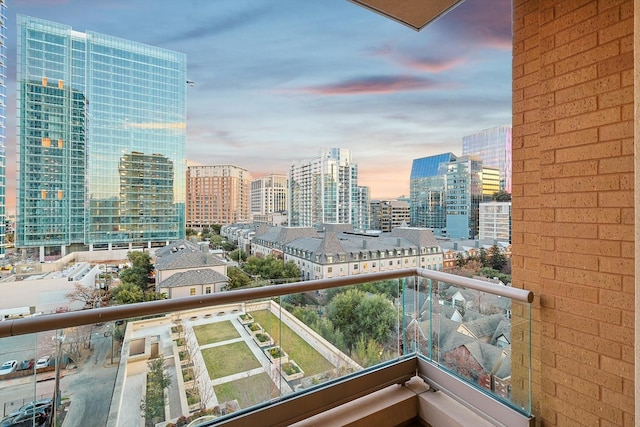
374 85
476 23
433 65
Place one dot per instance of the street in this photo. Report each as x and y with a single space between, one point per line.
89 387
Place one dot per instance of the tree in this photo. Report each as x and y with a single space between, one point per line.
482 257
153 402
127 293
498 259
238 255
358 315
237 278
90 297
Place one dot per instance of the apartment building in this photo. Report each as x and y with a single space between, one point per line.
495 221
269 195
217 194
323 189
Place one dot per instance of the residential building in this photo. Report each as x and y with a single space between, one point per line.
269 195
495 221
113 177
338 251
388 214
493 146
218 194
428 192
184 268
3 125
324 189
464 187
361 209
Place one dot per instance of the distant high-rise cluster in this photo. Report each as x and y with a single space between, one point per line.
101 135
446 191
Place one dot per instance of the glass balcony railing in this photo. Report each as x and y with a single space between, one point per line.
224 357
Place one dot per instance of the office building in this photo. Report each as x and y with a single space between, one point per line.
495 221
101 140
493 146
463 196
323 189
427 186
217 194
269 195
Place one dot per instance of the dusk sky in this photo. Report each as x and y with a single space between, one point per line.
278 80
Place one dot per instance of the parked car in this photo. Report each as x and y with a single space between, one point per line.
29 418
46 403
43 362
8 367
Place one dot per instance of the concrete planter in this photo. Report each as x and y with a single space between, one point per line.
254 328
263 339
245 318
291 371
276 355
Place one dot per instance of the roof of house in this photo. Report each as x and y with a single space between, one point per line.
204 276
183 254
484 326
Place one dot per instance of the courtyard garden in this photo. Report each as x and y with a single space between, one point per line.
248 391
307 357
229 359
215 332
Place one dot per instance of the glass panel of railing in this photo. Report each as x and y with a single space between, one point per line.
480 337
54 369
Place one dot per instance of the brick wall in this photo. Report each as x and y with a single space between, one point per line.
573 204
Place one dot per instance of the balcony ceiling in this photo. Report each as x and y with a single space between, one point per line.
415 14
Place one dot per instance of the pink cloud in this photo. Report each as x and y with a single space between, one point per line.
374 85
432 65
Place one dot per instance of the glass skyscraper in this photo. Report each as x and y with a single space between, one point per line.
101 130
428 192
493 146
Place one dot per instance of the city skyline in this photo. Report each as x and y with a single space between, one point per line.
276 84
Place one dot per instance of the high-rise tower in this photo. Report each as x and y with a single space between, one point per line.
101 131
324 190
493 146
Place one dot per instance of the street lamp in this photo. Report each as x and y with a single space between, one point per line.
59 338
109 333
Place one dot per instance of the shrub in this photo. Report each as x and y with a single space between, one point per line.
290 368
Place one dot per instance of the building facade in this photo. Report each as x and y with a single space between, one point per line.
463 196
217 194
339 251
495 221
427 186
76 170
389 214
269 195
324 189
493 146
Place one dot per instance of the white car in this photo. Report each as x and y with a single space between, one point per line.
8 367
43 362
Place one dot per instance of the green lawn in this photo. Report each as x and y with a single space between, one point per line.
215 332
305 356
249 391
229 359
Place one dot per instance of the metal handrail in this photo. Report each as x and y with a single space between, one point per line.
105 314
